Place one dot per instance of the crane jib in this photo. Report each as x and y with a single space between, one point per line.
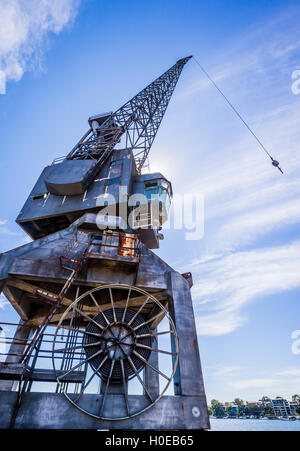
136 122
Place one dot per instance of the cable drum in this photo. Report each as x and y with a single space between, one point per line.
118 341
116 329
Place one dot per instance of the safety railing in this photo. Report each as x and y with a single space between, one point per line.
39 370
58 160
118 244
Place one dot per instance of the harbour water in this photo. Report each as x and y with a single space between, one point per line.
253 425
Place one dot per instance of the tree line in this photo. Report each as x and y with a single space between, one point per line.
261 409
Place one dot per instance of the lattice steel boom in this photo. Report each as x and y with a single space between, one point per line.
139 119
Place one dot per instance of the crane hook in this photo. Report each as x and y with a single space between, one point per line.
275 163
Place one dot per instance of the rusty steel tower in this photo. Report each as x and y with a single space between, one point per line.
107 337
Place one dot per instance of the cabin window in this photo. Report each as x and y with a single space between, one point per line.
113 163
97 239
39 196
151 188
112 181
115 169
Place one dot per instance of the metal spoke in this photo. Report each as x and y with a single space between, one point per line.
146 322
73 311
139 378
149 320
124 386
78 347
81 331
91 378
107 386
154 349
81 363
99 308
103 314
126 306
88 318
155 334
86 360
139 310
150 365
112 304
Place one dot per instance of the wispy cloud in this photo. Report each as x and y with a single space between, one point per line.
4 230
225 285
3 302
221 370
231 384
244 194
250 207
247 201
261 383
266 386
290 372
270 47
24 25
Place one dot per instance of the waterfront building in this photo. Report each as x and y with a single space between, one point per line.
234 409
283 408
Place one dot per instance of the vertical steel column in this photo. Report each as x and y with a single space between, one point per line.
151 378
188 379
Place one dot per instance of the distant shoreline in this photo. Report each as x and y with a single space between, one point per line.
261 418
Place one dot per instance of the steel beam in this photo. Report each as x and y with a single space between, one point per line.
54 411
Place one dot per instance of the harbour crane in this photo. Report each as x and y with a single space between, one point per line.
90 275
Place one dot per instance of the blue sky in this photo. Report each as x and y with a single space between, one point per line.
65 60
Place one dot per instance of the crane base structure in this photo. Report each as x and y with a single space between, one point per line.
33 267
107 336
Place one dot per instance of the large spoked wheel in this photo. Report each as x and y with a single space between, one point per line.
111 334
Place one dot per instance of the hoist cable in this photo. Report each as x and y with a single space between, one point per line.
274 162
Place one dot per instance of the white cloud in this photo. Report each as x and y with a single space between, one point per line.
247 201
2 82
220 323
290 372
221 370
261 56
264 386
254 383
229 385
244 195
4 230
24 25
3 302
225 285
